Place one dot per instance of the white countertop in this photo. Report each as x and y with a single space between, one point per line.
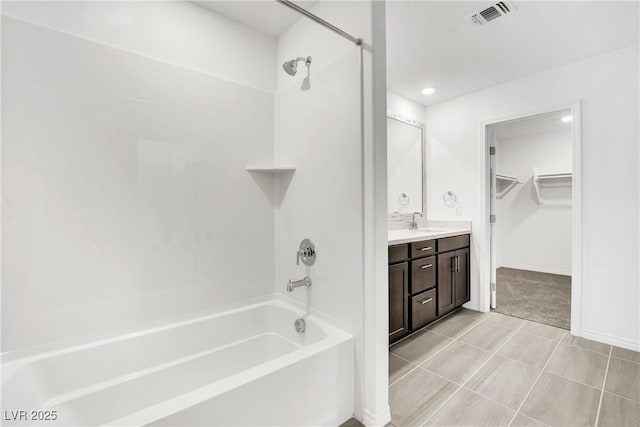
398 237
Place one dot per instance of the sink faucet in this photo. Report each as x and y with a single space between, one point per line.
306 281
413 225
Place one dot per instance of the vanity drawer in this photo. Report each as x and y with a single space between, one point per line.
398 253
424 248
423 309
423 274
451 243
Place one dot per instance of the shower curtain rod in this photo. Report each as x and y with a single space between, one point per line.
320 21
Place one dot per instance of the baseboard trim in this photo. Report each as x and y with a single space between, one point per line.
380 419
471 305
611 339
538 269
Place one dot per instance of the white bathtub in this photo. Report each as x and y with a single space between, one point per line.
245 367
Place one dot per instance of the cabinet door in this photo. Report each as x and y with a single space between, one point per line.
462 285
446 282
398 301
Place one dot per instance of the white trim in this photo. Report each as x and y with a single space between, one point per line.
375 352
576 222
484 245
611 339
379 419
472 306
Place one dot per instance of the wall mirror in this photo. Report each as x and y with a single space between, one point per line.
405 167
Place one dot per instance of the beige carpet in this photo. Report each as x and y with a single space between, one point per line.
540 297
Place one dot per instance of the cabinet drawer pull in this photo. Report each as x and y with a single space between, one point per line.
426 301
396 331
426 266
428 248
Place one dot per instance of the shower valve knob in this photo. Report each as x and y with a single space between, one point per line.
306 253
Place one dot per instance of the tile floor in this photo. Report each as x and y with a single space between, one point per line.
475 369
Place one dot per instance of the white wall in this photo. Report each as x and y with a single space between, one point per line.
404 107
531 236
321 133
607 85
126 131
178 33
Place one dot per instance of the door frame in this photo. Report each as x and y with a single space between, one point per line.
576 210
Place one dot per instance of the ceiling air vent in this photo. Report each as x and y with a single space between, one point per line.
491 13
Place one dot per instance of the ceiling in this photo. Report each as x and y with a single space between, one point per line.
541 123
432 44
265 16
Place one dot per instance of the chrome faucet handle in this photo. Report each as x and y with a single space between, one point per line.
413 225
306 253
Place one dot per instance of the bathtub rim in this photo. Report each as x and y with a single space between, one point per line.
22 357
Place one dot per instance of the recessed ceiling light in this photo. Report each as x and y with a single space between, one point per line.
428 90
567 119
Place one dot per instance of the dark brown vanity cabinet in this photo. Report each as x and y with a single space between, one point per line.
453 280
398 303
427 280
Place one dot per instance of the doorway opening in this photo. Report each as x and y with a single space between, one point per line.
532 216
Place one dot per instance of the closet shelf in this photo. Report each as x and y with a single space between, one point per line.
504 184
271 169
547 176
561 179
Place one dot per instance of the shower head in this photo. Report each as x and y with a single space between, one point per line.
291 67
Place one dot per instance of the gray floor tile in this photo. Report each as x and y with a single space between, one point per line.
458 322
457 362
623 379
528 349
577 364
522 420
561 402
618 412
398 367
416 396
586 344
469 409
623 353
504 381
420 347
544 331
487 336
504 321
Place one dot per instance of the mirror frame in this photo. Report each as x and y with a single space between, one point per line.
421 126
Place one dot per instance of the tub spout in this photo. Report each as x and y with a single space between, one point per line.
297 283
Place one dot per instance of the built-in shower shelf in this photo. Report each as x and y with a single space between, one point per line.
504 184
271 169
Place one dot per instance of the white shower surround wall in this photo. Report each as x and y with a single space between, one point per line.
130 195
322 374
245 366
